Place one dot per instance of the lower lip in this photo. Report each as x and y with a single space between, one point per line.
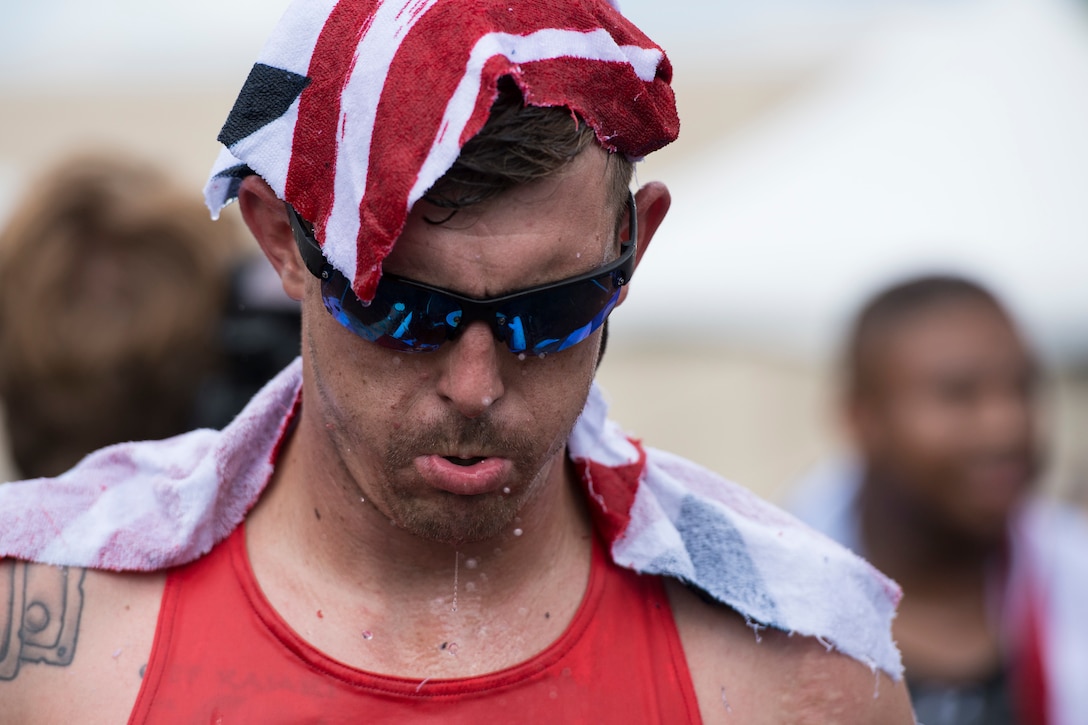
487 476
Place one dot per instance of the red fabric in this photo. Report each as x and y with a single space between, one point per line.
610 491
221 654
1029 671
314 149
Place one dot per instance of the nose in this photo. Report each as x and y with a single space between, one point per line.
471 377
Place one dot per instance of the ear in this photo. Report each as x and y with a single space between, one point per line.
266 217
652 202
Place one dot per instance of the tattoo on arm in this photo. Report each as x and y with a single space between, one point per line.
40 608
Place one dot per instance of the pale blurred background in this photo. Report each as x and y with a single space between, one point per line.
827 147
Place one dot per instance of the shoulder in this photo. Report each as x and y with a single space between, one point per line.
752 675
1052 523
71 639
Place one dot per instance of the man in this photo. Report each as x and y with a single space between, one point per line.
430 519
941 401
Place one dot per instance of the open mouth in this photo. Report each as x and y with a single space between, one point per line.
465 475
464 461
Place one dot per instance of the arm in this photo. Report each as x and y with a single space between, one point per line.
741 675
73 642
40 609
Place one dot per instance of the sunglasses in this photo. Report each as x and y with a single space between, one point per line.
413 317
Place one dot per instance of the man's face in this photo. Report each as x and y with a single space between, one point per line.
451 445
948 424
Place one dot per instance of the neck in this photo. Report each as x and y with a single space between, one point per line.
324 550
948 624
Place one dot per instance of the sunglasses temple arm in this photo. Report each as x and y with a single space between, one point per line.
307 246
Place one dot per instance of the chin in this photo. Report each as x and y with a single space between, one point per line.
480 520
987 529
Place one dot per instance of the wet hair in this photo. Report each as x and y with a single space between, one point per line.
904 301
520 144
112 283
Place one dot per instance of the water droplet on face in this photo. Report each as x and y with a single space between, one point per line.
329 426
471 563
452 648
577 255
362 500
456 569
518 532
486 401
506 490
541 355
470 587
521 356
396 360
368 635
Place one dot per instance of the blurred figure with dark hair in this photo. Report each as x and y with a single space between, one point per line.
112 285
941 403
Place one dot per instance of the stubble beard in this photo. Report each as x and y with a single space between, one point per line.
451 518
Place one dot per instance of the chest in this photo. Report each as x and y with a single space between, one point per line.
223 652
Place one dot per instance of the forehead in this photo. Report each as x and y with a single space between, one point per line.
532 234
961 337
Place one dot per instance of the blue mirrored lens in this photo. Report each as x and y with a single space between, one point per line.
401 318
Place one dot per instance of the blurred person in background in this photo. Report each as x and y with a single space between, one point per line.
112 285
941 402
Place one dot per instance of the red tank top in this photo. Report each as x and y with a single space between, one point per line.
223 655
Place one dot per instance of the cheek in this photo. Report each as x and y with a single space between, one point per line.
362 388
557 386
928 446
